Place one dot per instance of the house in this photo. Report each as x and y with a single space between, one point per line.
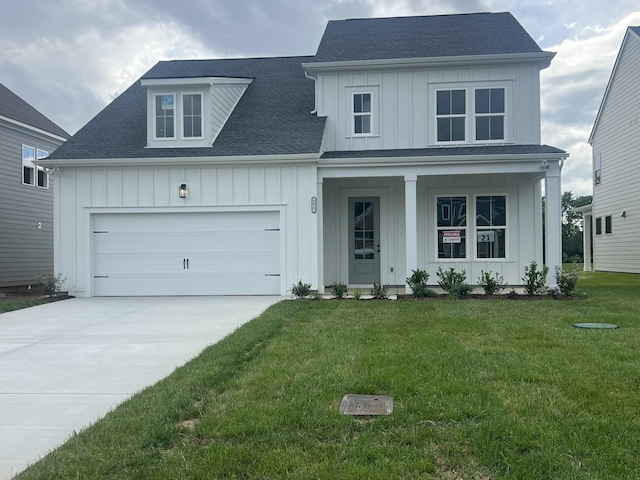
404 143
26 191
614 214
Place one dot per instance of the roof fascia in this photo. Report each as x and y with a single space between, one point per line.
543 58
161 82
31 128
627 35
162 161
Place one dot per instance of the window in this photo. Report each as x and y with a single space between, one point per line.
28 167
452 227
489 109
599 226
192 115
43 176
607 224
491 224
165 116
362 113
451 115
596 169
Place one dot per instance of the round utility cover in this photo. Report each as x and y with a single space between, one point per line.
595 325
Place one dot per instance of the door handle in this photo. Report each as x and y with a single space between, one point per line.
378 247
187 264
184 263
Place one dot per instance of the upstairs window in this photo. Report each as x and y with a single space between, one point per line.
607 224
489 109
192 115
43 176
28 167
599 226
362 113
165 116
597 177
451 108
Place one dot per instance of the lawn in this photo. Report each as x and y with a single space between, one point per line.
482 390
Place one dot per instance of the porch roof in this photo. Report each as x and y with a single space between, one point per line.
491 150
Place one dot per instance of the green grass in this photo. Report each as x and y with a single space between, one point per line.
482 389
10 304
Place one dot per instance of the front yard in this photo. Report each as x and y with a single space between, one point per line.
482 390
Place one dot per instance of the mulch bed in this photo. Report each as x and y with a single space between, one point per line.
25 292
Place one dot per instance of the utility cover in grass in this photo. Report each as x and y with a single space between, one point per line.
595 325
354 404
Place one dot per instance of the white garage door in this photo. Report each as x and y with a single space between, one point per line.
234 253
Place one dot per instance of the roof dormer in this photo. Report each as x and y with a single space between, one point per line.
190 112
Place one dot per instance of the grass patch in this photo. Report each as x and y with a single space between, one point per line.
11 304
481 390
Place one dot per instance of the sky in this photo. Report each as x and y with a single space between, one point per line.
70 58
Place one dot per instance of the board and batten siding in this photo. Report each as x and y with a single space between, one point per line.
617 141
25 249
404 110
287 189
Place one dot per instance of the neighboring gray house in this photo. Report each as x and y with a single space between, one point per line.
26 190
614 215
404 143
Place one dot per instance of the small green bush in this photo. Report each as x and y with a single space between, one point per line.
567 280
491 284
450 278
461 290
338 290
534 280
357 293
379 291
301 290
418 283
49 284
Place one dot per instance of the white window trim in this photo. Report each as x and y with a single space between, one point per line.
372 90
175 117
476 228
476 115
28 163
202 114
470 115
355 114
45 154
466 228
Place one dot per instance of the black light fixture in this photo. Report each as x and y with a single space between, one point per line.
182 191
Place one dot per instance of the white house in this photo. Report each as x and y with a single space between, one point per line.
614 215
403 143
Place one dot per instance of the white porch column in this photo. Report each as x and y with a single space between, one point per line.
553 222
586 240
411 225
320 238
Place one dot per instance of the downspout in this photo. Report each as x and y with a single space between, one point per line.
315 93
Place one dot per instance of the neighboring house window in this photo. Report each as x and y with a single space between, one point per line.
599 226
28 167
362 113
489 109
43 176
451 115
596 170
192 115
165 116
607 224
491 224
452 227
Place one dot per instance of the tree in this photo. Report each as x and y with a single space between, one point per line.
572 227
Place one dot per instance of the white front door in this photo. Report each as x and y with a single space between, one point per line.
229 253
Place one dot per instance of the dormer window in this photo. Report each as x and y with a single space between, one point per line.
165 116
192 115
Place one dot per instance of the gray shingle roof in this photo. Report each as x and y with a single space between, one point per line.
15 108
424 37
635 30
449 151
272 118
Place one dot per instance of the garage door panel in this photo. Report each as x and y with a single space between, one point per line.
182 254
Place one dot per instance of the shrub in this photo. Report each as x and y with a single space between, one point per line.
461 290
534 280
339 290
301 290
49 284
567 280
379 291
450 278
491 284
418 283
357 293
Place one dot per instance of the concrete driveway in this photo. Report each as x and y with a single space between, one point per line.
63 365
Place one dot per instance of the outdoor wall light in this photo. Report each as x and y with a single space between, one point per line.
182 191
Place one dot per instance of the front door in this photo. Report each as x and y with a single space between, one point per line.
364 240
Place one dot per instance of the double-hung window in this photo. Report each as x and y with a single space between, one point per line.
451 110
165 116
452 227
28 167
489 110
192 115
43 176
491 226
362 113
